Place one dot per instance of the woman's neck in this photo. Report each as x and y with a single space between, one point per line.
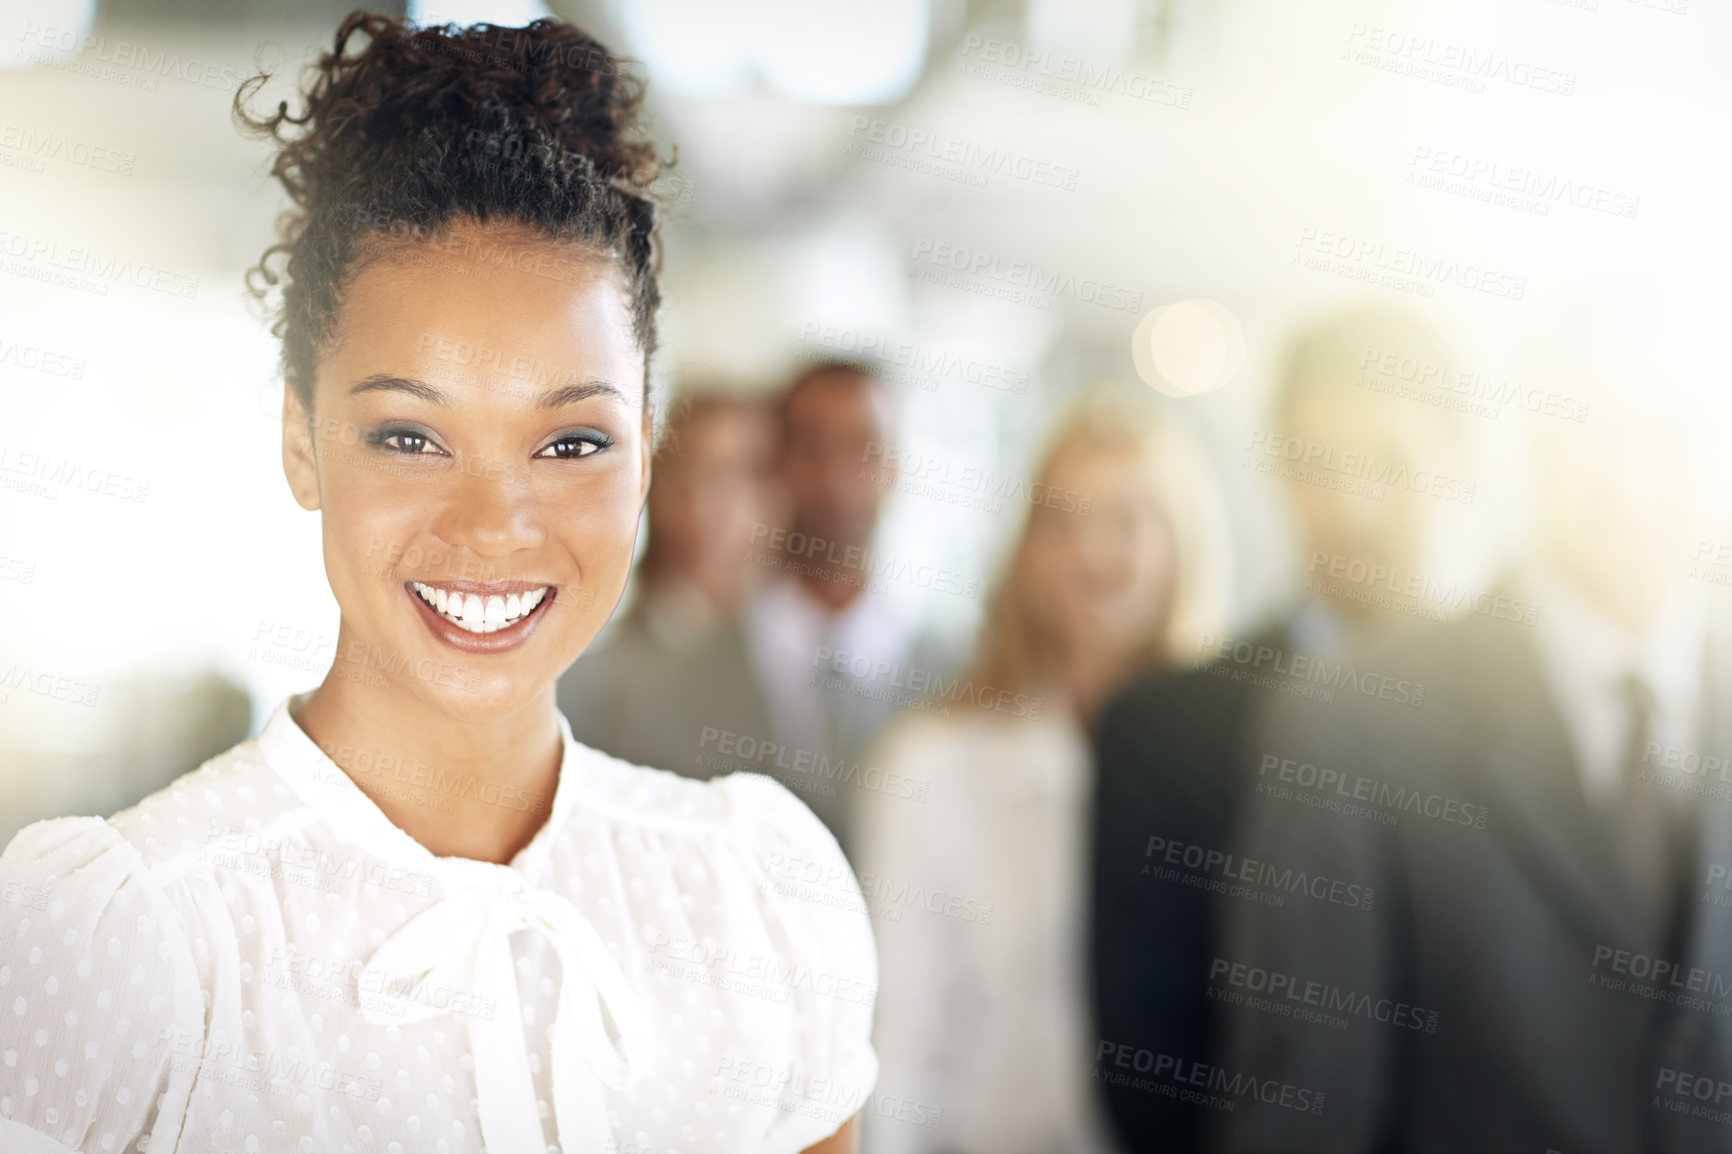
461 789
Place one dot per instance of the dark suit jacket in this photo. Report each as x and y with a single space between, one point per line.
1171 753
1430 985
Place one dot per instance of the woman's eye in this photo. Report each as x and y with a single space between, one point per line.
404 441
567 447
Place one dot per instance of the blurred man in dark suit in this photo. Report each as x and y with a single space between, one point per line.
1494 922
1172 750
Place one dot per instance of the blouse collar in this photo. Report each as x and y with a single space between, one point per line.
334 796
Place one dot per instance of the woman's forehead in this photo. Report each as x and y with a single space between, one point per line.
459 317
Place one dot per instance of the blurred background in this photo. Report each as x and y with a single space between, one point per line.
1002 210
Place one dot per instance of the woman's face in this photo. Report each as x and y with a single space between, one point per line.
478 449
1100 580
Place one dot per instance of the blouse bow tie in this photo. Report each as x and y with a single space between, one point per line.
454 970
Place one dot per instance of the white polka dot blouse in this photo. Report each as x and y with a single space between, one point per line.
257 960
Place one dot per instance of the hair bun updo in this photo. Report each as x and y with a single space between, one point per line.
424 127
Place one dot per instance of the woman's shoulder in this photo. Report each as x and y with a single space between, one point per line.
99 974
234 789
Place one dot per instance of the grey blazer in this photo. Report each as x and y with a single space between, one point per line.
698 707
1432 950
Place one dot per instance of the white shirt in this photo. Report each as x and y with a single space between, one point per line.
978 895
256 960
793 636
1586 658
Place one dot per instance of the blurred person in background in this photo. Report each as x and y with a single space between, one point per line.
1173 748
978 887
814 623
1520 932
711 486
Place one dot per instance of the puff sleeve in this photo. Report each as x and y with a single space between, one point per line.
812 900
101 1017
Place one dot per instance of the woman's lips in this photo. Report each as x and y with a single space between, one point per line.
481 618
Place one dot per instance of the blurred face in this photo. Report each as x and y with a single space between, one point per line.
1393 532
832 421
709 488
1622 500
478 452
1104 579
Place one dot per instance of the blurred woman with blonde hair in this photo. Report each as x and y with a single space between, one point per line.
977 890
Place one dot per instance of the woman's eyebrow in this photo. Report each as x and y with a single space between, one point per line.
414 388
570 394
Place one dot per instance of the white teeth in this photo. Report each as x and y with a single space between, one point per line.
469 612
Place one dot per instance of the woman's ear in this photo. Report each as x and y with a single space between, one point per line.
647 449
299 463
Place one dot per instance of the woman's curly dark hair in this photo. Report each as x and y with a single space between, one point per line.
423 127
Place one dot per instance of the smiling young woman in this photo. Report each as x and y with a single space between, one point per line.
414 914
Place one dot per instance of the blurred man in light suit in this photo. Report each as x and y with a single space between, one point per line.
705 682
1489 923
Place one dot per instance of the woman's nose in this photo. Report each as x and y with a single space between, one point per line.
488 507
